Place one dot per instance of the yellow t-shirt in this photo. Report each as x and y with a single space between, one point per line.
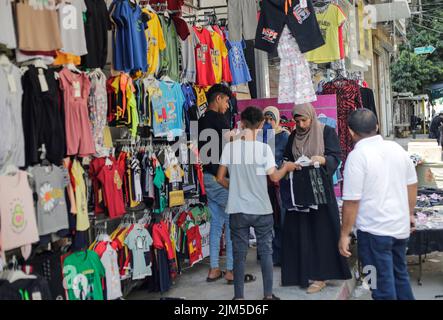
217 54
65 58
80 196
329 20
156 42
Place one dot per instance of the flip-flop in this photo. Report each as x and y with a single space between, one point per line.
248 278
222 274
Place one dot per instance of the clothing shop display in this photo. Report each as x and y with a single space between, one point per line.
156 42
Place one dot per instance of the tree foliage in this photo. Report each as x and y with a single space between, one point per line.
411 72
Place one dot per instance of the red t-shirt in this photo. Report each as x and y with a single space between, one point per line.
182 27
205 71
112 181
194 244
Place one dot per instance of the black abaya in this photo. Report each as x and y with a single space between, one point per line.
310 240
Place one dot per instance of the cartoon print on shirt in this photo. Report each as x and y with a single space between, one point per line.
117 180
17 216
49 197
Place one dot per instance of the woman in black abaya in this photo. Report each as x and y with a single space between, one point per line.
310 239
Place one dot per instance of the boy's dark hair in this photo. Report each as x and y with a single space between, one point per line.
217 90
363 122
252 117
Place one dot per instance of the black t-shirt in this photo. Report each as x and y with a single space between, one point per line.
216 121
97 25
48 265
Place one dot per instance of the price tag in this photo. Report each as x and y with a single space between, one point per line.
37 296
77 89
12 85
304 3
42 80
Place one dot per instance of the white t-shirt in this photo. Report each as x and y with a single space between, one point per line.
113 284
72 27
7 36
247 163
377 173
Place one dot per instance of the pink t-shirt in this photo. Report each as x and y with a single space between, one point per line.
17 214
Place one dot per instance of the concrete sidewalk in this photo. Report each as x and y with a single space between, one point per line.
192 285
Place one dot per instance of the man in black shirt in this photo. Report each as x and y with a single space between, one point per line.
434 129
213 132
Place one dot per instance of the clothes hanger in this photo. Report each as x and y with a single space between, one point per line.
71 67
4 60
38 63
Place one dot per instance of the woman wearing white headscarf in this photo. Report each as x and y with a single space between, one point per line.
312 228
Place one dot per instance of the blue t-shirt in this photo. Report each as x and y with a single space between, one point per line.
237 61
130 45
167 110
139 43
118 40
190 101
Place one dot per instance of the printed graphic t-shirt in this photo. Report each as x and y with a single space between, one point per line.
83 273
17 215
329 21
168 110
205 71
219 53
156 41
112 182
52 212
139 241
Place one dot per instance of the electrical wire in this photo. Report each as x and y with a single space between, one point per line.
436 31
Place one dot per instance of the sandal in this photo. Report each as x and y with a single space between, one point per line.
248 278
274 297
222 274
316 287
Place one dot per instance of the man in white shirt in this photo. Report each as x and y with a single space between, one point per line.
249 162
379 193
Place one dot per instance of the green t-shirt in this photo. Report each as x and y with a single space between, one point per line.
82 274
169 56
201 214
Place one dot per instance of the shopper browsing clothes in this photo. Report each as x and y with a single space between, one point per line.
379 193
277 138
214 121
248 162
312 226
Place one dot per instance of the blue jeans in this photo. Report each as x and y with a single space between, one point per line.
263 225
388 256
217 200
